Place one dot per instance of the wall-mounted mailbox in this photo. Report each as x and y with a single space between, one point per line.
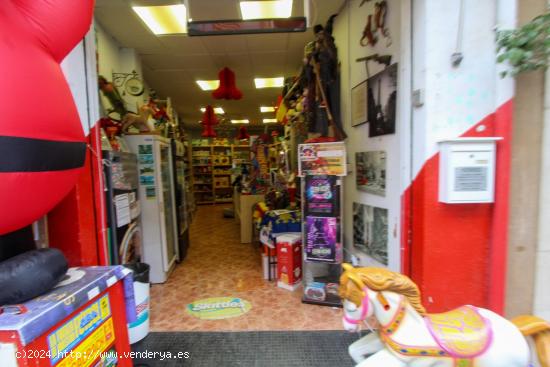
467 170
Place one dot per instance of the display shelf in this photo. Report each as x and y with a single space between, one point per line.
220 159
322 237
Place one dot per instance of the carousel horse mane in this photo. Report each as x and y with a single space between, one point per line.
380 279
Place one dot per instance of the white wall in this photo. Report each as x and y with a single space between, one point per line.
113 58
347 33
79 70
456 98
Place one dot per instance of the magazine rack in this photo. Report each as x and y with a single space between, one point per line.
322 167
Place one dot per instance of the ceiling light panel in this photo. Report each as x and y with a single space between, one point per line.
265 109
240 121
269 82
269 121
266 9
208 84
166 19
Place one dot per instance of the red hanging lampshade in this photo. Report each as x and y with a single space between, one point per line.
243 134
209 119
227 88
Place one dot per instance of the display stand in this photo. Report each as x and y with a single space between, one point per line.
321 167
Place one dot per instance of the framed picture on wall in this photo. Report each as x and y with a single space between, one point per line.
359 104
382 101
370 168
370 231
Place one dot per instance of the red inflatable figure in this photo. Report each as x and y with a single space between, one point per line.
42 146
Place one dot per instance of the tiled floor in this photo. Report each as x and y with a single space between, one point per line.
218 265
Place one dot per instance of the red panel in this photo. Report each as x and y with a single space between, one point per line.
72 223
99 193
499 243
458 252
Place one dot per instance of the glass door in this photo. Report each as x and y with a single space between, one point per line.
168 207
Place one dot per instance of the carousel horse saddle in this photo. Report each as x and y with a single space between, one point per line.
462 333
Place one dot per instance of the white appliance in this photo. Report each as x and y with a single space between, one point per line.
158 209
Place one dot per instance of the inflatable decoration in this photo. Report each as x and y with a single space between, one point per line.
42 145
208 121
407 336
227 89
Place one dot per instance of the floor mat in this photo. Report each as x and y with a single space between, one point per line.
257 349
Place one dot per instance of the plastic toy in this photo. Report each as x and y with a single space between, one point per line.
407 336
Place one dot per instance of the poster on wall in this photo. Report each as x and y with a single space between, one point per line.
370 231
382 101
322 159
322 197
321 238
370 168
359 104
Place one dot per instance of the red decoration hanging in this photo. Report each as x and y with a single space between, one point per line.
243 134
209 119
227 89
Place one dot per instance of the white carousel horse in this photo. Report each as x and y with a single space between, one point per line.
465 337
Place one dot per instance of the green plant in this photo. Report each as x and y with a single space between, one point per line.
526 48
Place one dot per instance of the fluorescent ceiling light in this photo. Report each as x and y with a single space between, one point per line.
266 9
269 82
217 110
268 121
240 121
166 19
208 84
267 109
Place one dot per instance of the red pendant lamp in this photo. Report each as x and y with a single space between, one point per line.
228 88
209 119
243 134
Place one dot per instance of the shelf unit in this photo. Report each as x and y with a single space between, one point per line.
213 171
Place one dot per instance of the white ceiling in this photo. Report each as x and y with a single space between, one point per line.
171 64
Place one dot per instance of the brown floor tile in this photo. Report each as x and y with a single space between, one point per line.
218 265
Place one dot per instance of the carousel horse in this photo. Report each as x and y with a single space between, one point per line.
407 336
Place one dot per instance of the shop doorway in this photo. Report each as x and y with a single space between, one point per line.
219 268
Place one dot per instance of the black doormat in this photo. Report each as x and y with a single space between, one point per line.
258 349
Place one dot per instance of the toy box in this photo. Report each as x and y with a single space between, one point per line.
289 261
88 311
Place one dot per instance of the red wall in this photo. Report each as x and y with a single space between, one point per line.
457 253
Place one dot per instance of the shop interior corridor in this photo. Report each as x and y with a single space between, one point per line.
218 265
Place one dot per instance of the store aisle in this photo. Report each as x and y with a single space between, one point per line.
218 265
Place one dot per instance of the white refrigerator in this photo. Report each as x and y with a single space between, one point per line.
158 209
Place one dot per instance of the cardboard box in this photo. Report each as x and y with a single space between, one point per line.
289 261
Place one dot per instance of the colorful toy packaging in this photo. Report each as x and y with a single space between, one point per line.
289 261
